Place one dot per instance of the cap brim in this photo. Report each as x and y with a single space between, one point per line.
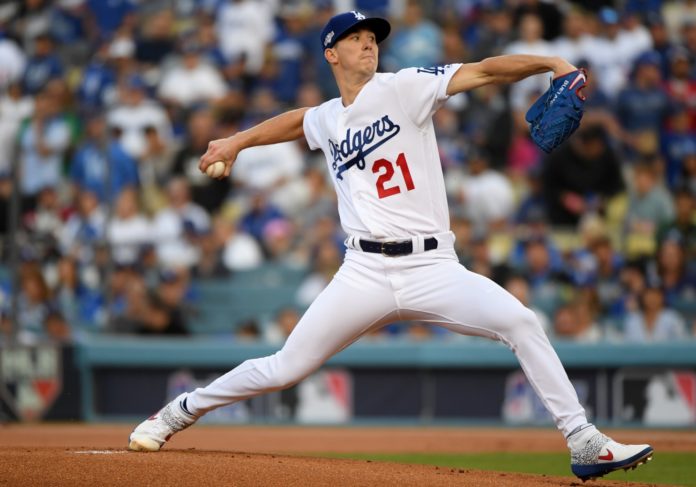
380 27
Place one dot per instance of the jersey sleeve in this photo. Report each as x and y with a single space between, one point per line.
422 91
310 125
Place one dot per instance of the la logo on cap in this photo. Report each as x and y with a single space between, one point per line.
358 15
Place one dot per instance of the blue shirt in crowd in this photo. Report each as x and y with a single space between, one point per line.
89 169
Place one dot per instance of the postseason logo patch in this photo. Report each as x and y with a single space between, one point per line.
30 379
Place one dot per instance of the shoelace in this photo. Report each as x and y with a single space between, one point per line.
172 420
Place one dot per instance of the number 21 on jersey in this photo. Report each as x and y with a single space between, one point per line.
385 169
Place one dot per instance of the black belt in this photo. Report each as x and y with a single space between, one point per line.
404 247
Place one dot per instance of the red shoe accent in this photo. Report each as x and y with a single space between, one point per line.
608 457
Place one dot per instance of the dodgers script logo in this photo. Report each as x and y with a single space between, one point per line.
354 147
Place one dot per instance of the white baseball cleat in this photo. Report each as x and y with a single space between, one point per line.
601 455
155 431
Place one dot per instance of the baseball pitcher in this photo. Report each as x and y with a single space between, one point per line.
380 147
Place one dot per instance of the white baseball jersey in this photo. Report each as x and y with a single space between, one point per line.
383 155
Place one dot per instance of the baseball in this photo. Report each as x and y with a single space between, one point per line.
216 169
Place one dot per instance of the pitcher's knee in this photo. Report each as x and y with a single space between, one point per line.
525 323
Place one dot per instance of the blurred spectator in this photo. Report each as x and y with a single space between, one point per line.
653 322
75 302
486 194
111 15
548 13
240 251
577 321
84 229
282 325
128 230
259 213
156 38
247 331
572 45
530 42
154 168
495 33
518 286
679 143
43 145
205 191
326 260
287 50
70 30
678 277
12 62
42 66
244 28
134 113
643 106
278 241
451 144
689 42
15 107
154 312
649 204
487 122
523 155
101 165
604 273
268 167
580 176
681 82
98 82
677 14
33 303
683 227
210 264
47 220
417 41
6 191
191 80
634 37
532 206
57 328
660 42
610 57
480 259
176 225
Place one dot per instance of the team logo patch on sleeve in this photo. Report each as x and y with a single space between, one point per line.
434 70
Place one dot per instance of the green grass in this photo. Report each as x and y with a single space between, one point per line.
665 468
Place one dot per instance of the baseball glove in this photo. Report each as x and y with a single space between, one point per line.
557 113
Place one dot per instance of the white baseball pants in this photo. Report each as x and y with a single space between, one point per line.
372 290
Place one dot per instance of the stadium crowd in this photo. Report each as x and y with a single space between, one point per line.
106 107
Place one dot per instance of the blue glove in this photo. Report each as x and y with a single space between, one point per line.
557 113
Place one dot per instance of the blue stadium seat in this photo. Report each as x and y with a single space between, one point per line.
258 294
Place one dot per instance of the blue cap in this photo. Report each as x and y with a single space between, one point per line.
649 58
340 24
608 15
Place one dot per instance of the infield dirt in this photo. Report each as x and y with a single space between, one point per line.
62 454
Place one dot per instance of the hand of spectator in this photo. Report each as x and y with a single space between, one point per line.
573 202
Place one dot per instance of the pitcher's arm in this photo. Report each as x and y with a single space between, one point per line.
282 128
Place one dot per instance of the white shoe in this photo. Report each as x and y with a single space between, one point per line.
155 431
600 455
